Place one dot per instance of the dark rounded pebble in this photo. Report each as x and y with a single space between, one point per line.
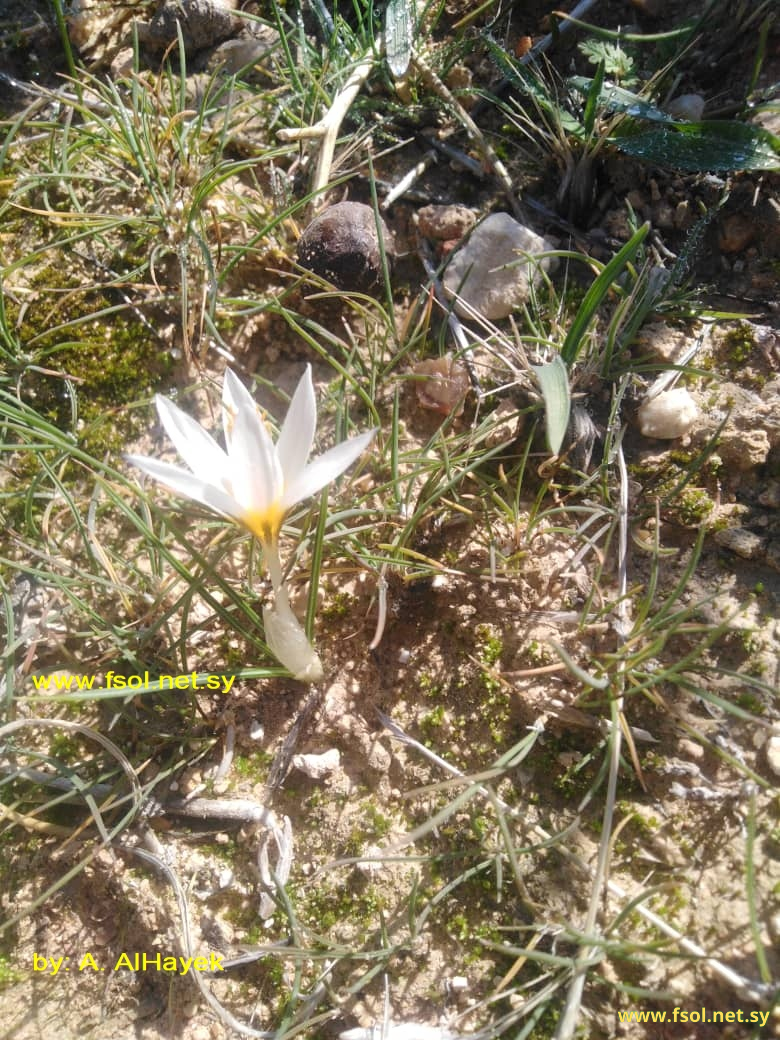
341 246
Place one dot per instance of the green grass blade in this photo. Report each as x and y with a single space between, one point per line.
597 293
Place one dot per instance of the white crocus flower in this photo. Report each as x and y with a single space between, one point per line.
256 482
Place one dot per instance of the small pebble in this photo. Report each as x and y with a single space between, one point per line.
445 223
744 543
736 232
687 106
371 867
668 415
442 384
493 272
316 767
691 750
773 753
341 245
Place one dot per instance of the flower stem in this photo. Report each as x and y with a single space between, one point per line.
274 563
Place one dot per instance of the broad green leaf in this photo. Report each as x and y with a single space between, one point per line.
613 98
399 36
553 379
710 145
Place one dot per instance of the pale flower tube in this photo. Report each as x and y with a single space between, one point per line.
287 640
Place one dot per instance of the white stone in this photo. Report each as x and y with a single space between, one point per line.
316 767
493 272
773 754
670 414
370 866
686 106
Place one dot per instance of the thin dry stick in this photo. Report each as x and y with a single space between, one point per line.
406 182
432 80
327 129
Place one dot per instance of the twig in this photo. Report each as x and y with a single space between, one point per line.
543 45
327 129
230 810
409 179
432 80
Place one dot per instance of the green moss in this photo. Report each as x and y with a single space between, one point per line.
539 654
331 908
432 719
739 344
8 973
428 686
749 702
379 824
339 605
490 644
694 506
96 362
224 851
373 826
641 825
253 767
65 748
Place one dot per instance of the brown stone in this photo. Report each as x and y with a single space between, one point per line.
736 233
341 245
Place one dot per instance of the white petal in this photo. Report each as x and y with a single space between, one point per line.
287 641
297 433
325 468
235 398
198 449
255 470
184 483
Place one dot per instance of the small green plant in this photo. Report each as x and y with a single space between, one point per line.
9 973
618 64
